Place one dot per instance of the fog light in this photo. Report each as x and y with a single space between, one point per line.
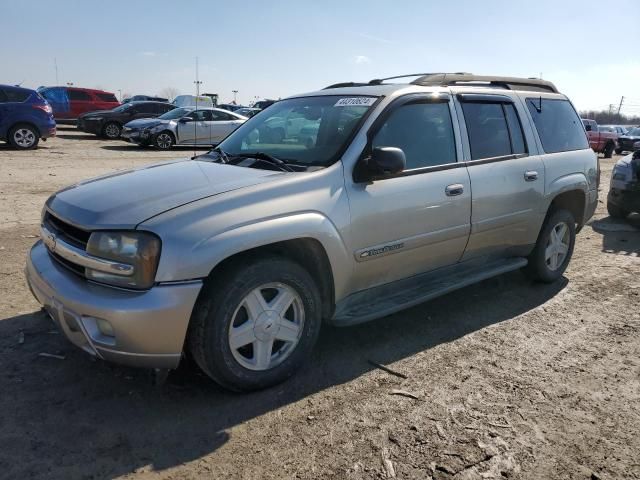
105 327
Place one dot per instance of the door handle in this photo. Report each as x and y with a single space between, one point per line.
454 190
530 175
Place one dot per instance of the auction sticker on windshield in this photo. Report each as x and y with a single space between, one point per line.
355 102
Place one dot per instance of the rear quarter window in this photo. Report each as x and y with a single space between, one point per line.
16 95
107 97
78 95
558 125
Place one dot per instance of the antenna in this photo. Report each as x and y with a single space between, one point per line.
195 120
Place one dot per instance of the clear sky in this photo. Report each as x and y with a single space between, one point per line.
277 48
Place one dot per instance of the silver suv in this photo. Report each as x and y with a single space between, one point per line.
342 206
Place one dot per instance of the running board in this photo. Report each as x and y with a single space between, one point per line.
390 298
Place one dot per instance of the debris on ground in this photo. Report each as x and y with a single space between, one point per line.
52 355
404 393
387 369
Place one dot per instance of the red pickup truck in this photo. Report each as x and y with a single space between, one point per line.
601 141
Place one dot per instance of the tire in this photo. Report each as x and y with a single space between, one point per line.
618 151
617 212
164 140
23 136
112 130
548 268
608 150
225 305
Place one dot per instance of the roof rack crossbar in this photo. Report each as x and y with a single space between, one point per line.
513 83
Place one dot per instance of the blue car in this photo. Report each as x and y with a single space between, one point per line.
25 117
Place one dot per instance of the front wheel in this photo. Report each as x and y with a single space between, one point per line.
24 137
617 212
608 150
255 327
164 140
112 130
554 247
618 151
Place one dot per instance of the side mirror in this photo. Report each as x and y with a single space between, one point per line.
384 162
587 127
185 120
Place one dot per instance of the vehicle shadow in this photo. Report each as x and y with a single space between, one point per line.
75 409
619 236
132 146
80 136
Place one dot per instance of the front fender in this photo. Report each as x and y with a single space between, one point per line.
209 252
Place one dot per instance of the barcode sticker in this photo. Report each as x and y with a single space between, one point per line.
355 102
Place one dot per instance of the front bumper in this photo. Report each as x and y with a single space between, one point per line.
135 136
149 326
627 199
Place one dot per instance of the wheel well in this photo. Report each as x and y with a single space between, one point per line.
32 125
307 252
573 201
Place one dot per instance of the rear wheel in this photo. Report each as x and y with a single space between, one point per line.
112 130
257 326
554 247
164 140
608 150
24 137
617 212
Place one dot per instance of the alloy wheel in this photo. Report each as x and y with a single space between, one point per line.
557 246
112 130
164 140
266 326
24 137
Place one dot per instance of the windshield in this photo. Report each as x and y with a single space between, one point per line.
305 131
175 113
123 107
634 132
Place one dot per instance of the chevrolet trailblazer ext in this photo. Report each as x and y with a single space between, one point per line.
408 191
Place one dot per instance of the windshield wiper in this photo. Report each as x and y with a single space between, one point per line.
222 156
265 157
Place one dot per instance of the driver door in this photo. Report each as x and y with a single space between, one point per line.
195 129
420 219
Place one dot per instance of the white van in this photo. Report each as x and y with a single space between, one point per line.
193 101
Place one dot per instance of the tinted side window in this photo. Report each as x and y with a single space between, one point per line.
221 116
558 125
518 144
78 95
487 129
107 97
147 108
166 108
3 97
10 95
423 131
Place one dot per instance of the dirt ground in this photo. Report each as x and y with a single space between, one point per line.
512 379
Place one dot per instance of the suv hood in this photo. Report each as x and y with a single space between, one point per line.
123 200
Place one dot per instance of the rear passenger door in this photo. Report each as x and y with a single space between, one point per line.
507 176
222 124
80 102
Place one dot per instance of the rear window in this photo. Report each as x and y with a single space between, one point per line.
78 95
107 97
558 125
14 95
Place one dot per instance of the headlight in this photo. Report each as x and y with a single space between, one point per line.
138 249
91 119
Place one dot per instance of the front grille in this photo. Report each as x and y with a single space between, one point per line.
69 233
67 264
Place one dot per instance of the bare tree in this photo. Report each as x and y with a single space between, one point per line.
169 92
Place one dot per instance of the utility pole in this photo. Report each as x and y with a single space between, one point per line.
235 96
197 82
620 106
120 92
55 65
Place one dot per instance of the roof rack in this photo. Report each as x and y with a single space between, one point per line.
510 83
462 78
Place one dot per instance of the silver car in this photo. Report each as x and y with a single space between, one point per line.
183 126
402 192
